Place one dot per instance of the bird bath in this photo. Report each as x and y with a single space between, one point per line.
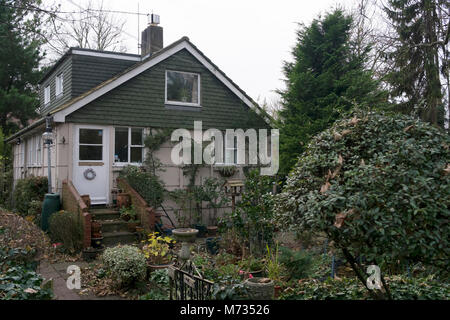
185 235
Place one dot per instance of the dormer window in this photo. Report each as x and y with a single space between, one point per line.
59 85
47 94
182 88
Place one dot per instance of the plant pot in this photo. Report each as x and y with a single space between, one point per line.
212 245
90 254
132 226
140 229
277 291
86 199
123 200
153 267
97 242
212 231
202 230
96 227
260 288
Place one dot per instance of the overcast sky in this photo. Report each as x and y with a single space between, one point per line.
247 39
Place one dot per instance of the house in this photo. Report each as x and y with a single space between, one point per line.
102 104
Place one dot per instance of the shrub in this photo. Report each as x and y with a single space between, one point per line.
28 190
126 264
145 183
297 263
376 185
67 227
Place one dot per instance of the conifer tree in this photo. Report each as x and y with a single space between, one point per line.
326 79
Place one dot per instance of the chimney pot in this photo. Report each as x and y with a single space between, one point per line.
152 36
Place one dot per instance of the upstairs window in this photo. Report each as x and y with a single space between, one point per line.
183 88
128 145
59 85
47 94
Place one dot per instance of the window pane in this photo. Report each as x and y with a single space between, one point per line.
121 145
91 136
136 137
136 154
182 87
91 153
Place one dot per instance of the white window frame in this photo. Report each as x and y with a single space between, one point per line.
120 164
47 94
59 85
34 151
91 144
38 150
181 103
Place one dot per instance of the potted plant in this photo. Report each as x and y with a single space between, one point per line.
252 266
128 213
132 225
123 200
157 250
227 171
259 288
96 240
90 253
96 227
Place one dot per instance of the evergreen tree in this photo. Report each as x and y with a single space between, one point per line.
419 54
20 55
326 79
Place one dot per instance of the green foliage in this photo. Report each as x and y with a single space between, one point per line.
252 218
128 213
297 263
251 264
67 227
378 187
18 279
190 201
6 172
148 186
273 264
27 191
326 79
19 62
402 288
160 280
126 264
230 291
418 57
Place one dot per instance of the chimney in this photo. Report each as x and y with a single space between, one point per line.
152 37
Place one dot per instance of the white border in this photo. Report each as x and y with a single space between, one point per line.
180 103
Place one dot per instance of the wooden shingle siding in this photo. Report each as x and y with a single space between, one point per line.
88 71
141 101
66 69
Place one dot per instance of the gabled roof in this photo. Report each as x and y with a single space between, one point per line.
59 114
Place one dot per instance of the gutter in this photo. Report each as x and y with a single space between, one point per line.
25 130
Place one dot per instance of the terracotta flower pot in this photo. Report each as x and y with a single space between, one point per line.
123 200
277 291
96 227
132 226
212 231
87 200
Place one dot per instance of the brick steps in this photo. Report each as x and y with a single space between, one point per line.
114 230
111 239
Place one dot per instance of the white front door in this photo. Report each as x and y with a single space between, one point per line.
91 163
